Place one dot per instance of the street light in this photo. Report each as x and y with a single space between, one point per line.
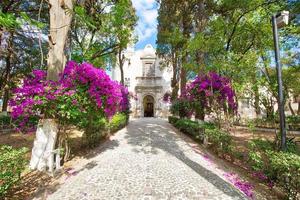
278 21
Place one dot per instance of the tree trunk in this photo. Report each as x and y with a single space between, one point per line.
182 79
121 63
1 33
200 113
186 34
63 143
60 21
298 112
256 101
174 82
291 108
5 100
200 61
7 74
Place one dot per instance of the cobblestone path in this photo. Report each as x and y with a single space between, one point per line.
147 160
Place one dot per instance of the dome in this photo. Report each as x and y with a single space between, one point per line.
148 52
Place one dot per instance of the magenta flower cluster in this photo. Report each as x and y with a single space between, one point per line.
209 88
263 177
108 95
167 97
40 97
245 187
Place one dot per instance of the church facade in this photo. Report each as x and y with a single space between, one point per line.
145 78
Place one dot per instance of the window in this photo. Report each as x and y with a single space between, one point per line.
127 82
149 69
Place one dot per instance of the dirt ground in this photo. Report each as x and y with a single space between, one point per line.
241 137
32 182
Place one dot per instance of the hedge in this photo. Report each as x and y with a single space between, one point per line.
292 123
117 122
282 168
189 127
12 163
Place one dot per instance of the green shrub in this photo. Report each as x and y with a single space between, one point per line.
255 160
5 120
285 169
220 140
281 167
94 131
172 120
293 119
12 163
209 125
182 108
117 122
260 145
293 122
257 148
191 128
292 146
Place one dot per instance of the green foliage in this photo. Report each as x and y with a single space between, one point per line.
182 108
118 122
232 38
12 163
281 167
292 146
27 19
293 119
8 21
292 122
172 120
101 128
257 149
99 33
285 168
221 141
260 145
95 130
5 120
255 161
191 128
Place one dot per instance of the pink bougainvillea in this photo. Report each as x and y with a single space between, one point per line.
210 92
211 86
82 88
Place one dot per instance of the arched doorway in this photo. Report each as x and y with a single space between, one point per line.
148 103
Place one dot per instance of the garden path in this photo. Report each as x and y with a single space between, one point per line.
148 159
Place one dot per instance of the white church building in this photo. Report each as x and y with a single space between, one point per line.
147 80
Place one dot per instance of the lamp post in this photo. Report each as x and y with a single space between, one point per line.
278 21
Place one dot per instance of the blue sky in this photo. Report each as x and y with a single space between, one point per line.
146 29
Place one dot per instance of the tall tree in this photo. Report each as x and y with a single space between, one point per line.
60 22
174 29
101 30
124 21
19 51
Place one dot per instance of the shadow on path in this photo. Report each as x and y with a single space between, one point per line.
157 134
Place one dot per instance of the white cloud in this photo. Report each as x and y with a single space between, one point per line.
150 16
147 24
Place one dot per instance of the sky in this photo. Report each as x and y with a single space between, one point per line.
146 29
